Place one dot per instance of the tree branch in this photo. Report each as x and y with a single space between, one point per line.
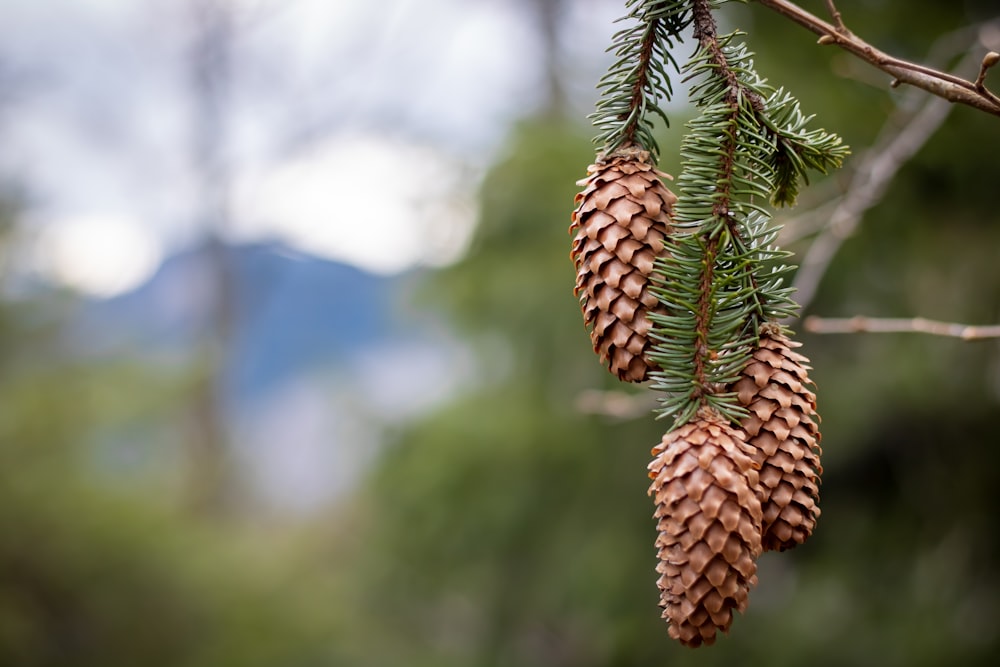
944 85
868 185
861 324
901 137
835 13
615 404
989 60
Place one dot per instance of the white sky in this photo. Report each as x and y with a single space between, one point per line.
355 130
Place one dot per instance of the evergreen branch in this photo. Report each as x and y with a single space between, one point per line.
701 344
797 150
723 279
942 84
637 101
862 324
748 109
792 150
635 84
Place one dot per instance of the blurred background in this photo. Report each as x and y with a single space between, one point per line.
291 372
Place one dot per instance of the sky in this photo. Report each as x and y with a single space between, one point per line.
352 130
356 131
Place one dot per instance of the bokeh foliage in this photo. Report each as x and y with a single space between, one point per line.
510 529
100 562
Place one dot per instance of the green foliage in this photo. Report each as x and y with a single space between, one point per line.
796 150
98 565
505 273
632 89
719 282
89 579
466 564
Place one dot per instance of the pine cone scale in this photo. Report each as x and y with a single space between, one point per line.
782 427
709 522
620 227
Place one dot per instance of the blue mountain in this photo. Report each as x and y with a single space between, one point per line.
289 312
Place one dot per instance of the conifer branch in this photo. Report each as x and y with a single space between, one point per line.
637 82
705 34
637 101
703 279
942 84
719 283
780 119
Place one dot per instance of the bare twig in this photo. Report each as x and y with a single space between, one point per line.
868 185
942 84
861 324
616 404
989 60
901 137
835 13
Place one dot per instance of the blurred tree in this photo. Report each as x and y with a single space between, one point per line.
211 487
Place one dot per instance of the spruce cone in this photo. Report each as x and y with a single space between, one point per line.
782 427
620 223
709 521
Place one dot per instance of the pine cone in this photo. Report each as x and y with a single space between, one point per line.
709 521
620 223
782 427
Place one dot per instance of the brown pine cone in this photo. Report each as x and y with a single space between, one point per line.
621 223
782 428
709 521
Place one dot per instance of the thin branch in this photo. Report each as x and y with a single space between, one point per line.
615 404
989 60
705 33
944 85
627 406
835 13
868 185
861 324
902 136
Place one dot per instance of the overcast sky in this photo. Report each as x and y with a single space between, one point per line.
353 130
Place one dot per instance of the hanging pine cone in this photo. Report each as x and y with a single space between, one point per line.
620 223
782 427
709 522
